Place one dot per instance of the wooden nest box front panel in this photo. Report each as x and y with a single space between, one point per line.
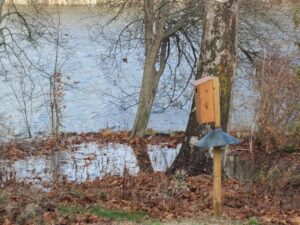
207 99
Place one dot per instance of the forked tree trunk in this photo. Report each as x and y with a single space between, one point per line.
218 58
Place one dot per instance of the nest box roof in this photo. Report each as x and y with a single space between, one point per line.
216 138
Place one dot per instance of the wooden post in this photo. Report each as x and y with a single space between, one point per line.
217 181
217 154
217 112
207 99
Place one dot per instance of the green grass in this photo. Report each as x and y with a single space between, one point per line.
201 221
67 210
117 215
290 148
101 212
253 221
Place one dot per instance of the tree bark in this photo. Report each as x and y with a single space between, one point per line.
217 58
155 51
147 95
1 6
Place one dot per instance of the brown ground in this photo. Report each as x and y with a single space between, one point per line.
161 197
272 198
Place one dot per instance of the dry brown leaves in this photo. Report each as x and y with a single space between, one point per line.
22 148
162 197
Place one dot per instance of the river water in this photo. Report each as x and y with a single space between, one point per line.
95 92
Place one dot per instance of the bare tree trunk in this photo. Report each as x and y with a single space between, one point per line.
147 95
156 50
1 7
218 58
56 88
166 26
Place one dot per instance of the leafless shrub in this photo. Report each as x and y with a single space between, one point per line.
56 97
277 112
56 87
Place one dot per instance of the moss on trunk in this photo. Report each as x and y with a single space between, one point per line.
218 58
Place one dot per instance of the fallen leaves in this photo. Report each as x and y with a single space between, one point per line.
50 217
160 196
295 220
7 222
16 150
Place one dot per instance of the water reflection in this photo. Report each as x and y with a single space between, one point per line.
240 168
88 162
91 161
162 158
